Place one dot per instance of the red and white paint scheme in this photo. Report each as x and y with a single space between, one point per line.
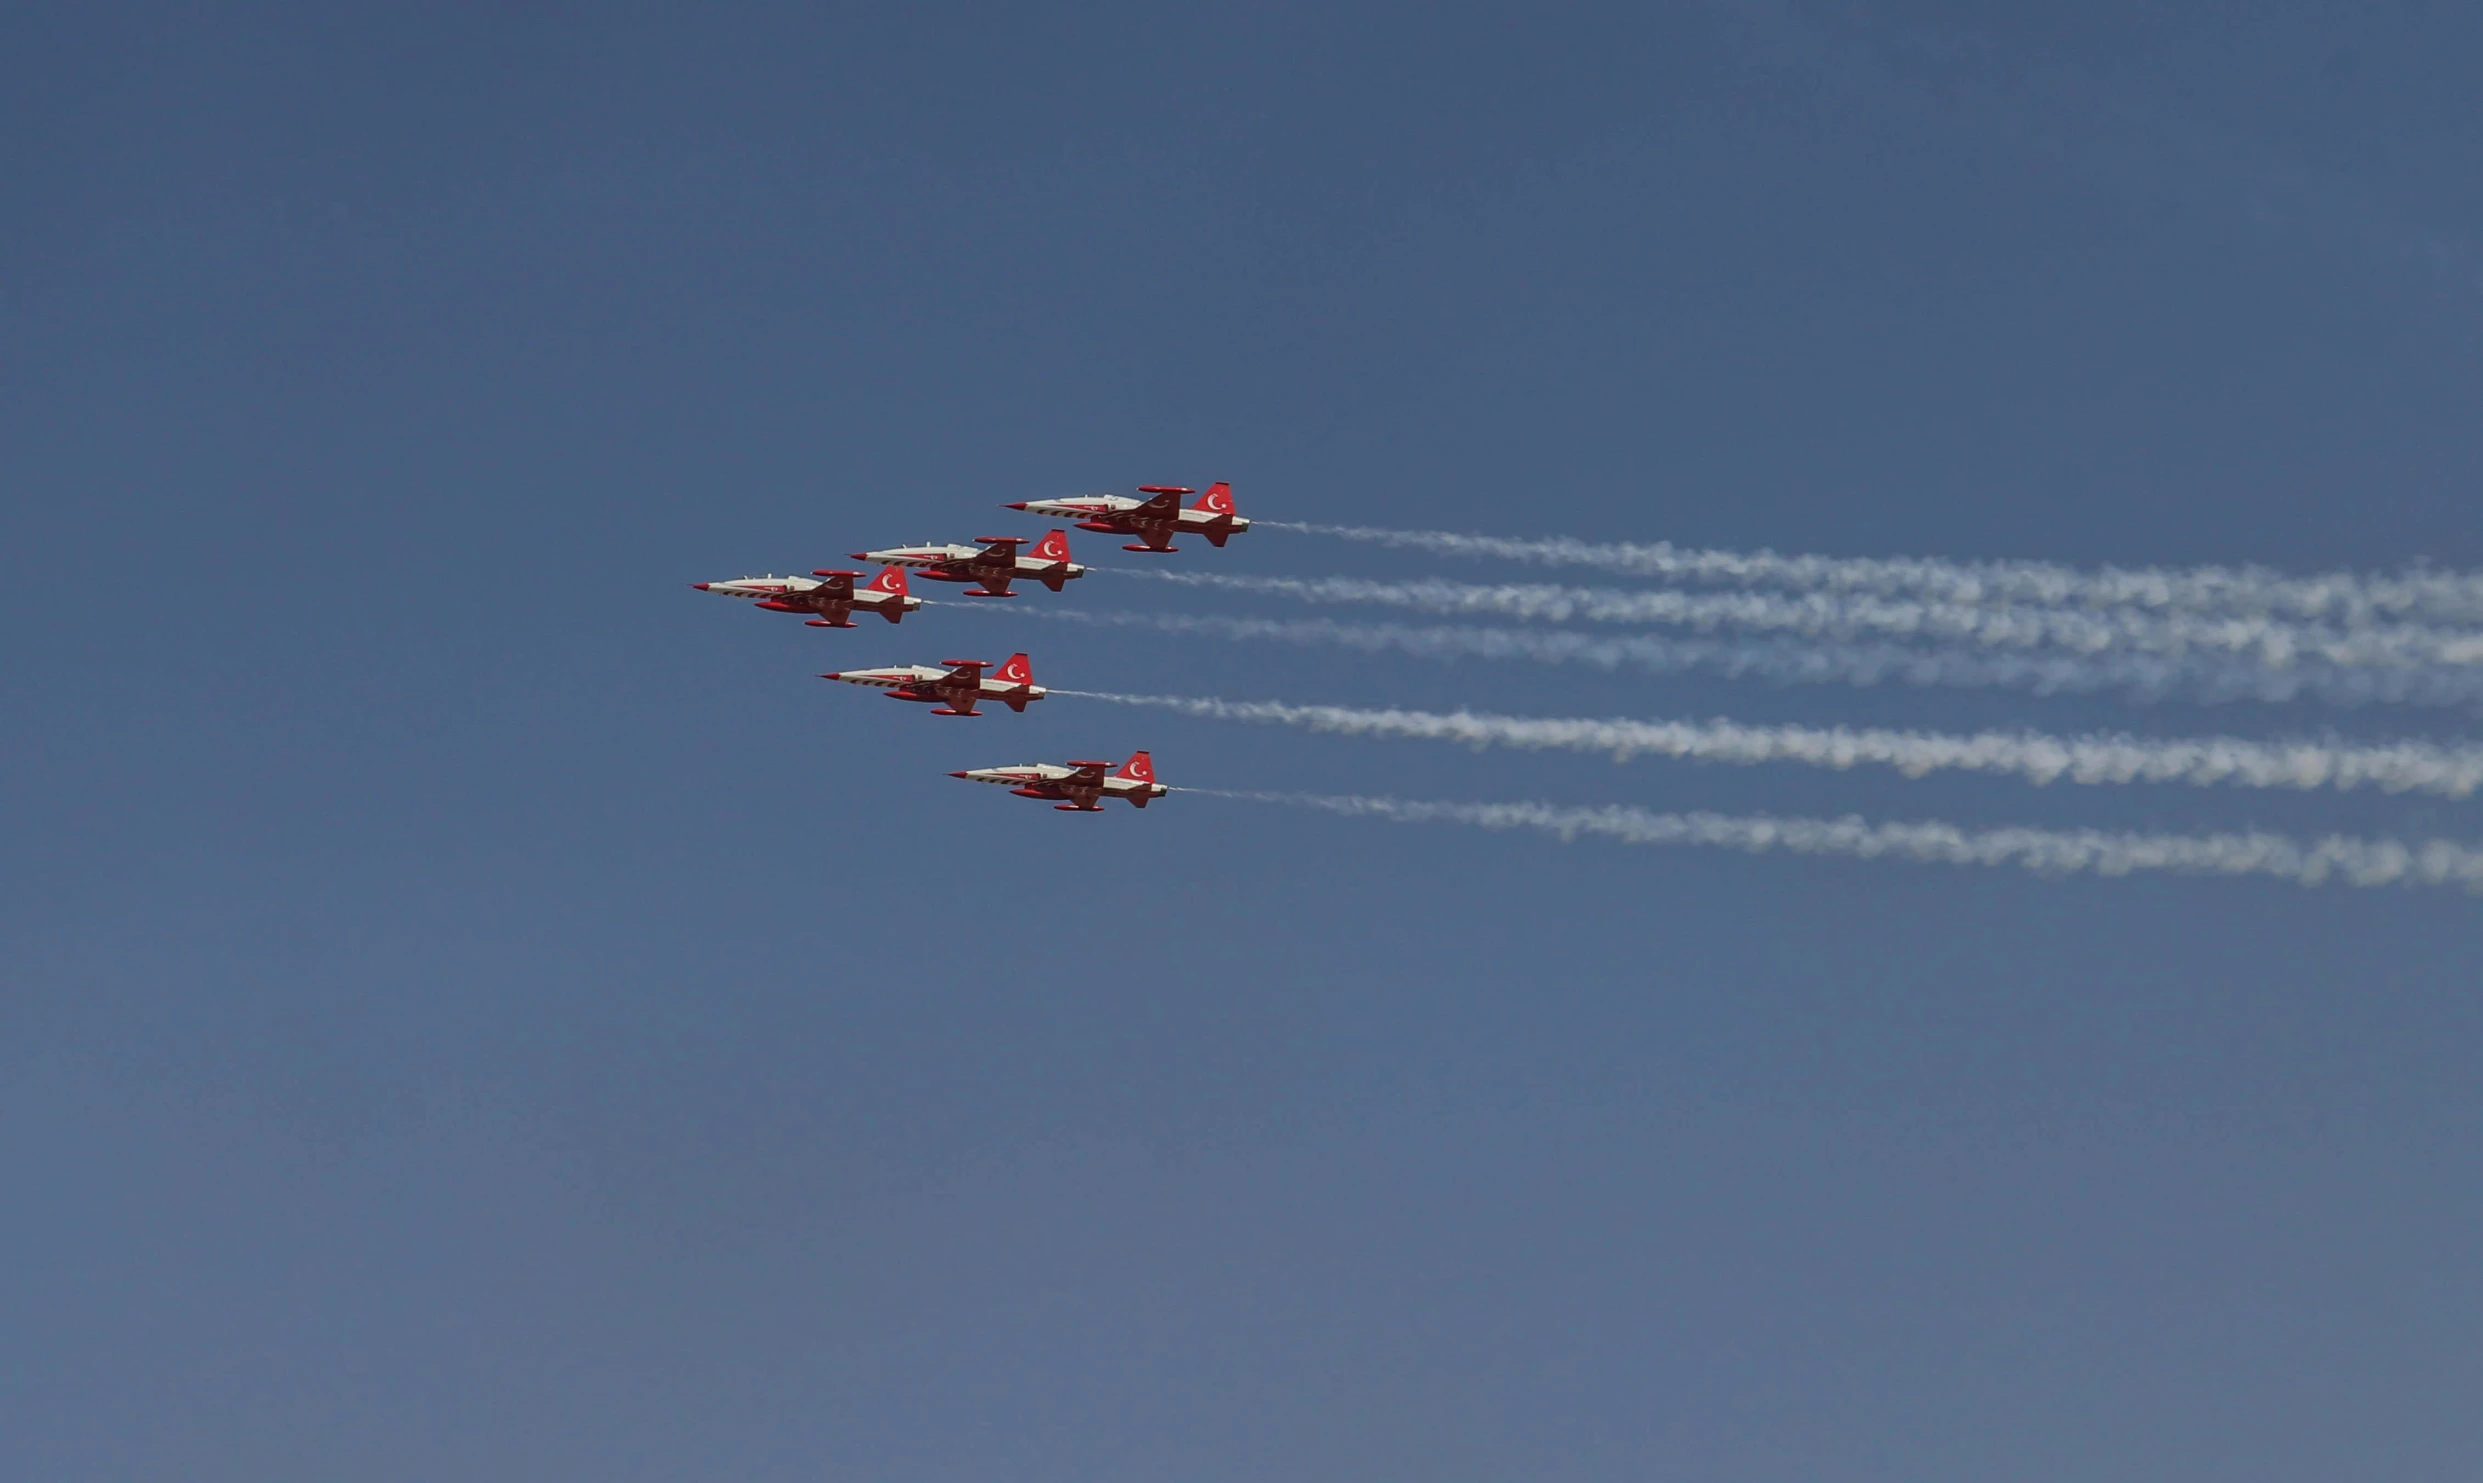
1154 520
991 566
833 596
956 687
1076 787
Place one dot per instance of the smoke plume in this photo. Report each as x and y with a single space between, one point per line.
2395 767
1793 661
2335 597
2336 859
2016 626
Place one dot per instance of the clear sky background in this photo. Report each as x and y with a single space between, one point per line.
477 1009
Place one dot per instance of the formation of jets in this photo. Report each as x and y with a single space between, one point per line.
956 687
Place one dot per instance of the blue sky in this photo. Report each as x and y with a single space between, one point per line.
476 1008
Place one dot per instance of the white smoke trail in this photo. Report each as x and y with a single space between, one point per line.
1788 661
2335 859
2340 597
2397 767
2261 640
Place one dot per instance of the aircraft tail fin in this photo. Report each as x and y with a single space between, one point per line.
1053 547
891 579
1140 768
1218 500
1015 671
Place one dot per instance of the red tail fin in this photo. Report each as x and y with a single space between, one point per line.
890 579
1218 500
1016 671
1140 768
1053 547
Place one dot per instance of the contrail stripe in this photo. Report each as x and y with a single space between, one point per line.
2053 852
2017 627
2396 767
2342 597
1793 661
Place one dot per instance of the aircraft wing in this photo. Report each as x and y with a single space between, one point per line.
1084 788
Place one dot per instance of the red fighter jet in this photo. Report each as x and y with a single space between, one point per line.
1076 787
956 687
991 566
833 598
1154 520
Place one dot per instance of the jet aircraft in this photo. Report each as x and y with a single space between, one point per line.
833 597
1076 787
991 566
1154 520
956 687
